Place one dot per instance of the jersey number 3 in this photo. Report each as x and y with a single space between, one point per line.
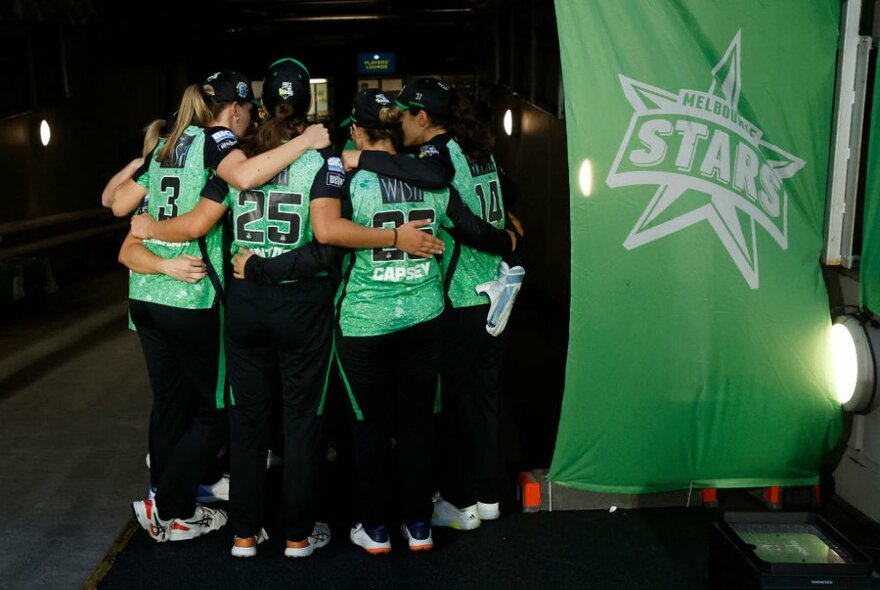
170 185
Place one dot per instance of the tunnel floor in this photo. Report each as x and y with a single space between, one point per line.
74 401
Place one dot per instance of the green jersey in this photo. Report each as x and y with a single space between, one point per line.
481 192
385 290
274 218
174 189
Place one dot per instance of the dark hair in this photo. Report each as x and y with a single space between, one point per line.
389 117
281 126
469 129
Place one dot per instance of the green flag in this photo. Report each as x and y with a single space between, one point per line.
698 136
869 268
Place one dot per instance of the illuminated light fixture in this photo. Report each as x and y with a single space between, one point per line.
45 132
375 56
318 80
512 121
585 177
854 341
508 122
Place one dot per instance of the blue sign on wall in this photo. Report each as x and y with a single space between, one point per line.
376 63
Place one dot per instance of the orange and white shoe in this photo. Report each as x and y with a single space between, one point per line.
247 546
418 535
203 521
374 541
319 538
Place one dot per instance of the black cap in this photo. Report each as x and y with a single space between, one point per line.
366 108
287 81
230 86
429 94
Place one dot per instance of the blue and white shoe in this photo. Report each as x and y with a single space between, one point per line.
374 541
502 292
418 535
215 492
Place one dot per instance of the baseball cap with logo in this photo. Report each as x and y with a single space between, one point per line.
366 108
429 94
287 81
230 86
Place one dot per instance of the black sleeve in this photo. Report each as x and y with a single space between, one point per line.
432 168
346 208
301 263
219 141
473 231
144 167
215 189
330 179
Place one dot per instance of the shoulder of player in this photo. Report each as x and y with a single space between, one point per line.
438 146
219 136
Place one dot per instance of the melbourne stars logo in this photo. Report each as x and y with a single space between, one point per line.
709 164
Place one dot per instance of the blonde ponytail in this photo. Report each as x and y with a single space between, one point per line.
193 111
152 133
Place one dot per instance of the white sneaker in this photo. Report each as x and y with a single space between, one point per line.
319 538
418 536
147 515
247 547
447 515
502 292
488 511
216 492
203 521
375 541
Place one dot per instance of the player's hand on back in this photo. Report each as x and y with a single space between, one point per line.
351 159
185 268
516 223
141 226
416 242
239 261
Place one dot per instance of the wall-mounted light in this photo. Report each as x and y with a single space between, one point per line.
511 122
854 343
318 80
585 177
45 132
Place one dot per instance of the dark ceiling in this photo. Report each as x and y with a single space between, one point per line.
427 35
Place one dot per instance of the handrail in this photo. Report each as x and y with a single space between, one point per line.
62 239
49 220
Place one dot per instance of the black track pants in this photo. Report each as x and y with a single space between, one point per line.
392 384
188 422
471 365
278 333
